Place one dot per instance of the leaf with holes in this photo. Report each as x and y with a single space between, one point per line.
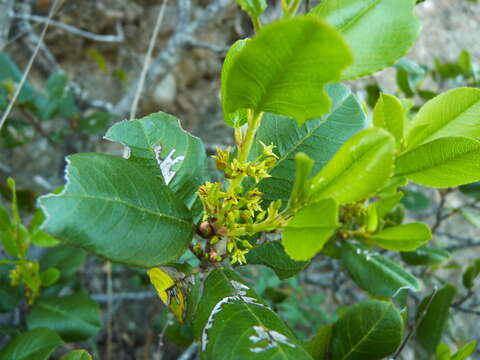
235 324
158 143
284 69
118 210
379 32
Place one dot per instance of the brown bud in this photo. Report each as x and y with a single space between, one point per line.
205 230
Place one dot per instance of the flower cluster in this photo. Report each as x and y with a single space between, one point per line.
27 273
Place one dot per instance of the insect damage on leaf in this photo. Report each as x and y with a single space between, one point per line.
166 164
171 286
240 292
272 338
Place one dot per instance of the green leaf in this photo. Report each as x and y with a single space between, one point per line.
470 274
362 165
10 296
389 114
425 256
50 276
319 139
430 329
235 324
415 201
471 190
375 273
385 204
453 113
254 8
309 229
443 352
65 258
158 143
35 344
409 76
118 210
319 345
94 123
301 185
406 237
284 69
369 330
77 355
75 317
379 32
273 255
240 116
441 163
465 351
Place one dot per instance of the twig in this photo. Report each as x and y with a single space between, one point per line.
172 52
119 37
133 296
469 294
36 125
158 353
415 325
439 212
148 59
466 310
189 352
29 65
218 50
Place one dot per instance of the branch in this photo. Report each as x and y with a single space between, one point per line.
29 65
189 352
172 52
133 296
147 61
119 37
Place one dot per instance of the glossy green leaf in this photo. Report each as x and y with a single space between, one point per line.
319 345
273 255
425 256
375 273
254 8
77 355
471 190
118 210
379 32
235 324
35 344
441 163
158 143
465 351
453 113
240 116
443 352
283 70
385 204
369 330
360 167
74 317
406 237
301 184
430 328
389 114
319 139
309 229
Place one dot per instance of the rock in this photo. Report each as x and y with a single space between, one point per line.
166 90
